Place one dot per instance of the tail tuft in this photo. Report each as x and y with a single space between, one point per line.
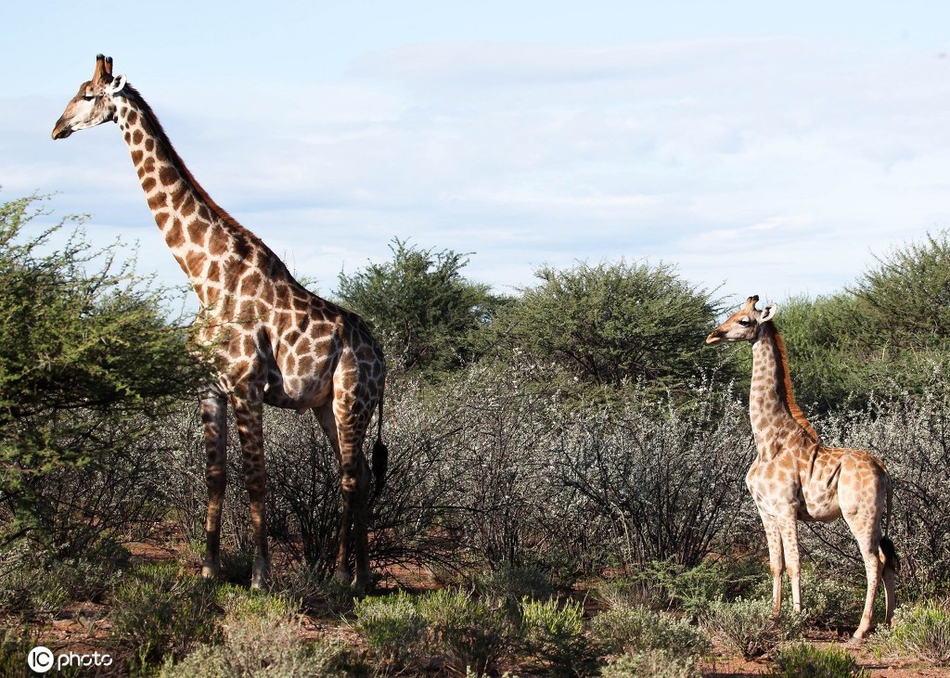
891 560
380 466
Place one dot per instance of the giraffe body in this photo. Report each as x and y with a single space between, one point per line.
272 341
794 477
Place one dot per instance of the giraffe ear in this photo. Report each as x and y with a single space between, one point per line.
117 85
768 313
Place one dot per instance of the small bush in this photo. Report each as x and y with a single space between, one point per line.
36 583
392 626
261 637
472 633
14 647
158 610
634 630
515 583
801 660
554 634
653 663
921 630
749 628
314 590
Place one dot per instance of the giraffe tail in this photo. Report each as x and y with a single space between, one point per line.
380 455
891 559
889 553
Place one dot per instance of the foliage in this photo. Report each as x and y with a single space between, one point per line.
748 627
892 327
392 627
468 633
87 364
801 660
34 583
592 327
471 632
921 630
667 481
636 629
261 637
553 632
159 611
421 308
693 589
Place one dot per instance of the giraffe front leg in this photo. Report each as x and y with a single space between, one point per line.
248 414
788 525
773 537
214 417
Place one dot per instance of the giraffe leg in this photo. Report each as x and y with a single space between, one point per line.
214 417
868 541
789 527
773 537
248 415
355 479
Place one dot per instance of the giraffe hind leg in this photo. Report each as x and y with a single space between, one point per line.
346 438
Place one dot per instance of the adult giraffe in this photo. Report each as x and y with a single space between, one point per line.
794 477
273 341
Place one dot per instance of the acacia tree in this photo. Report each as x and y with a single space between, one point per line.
421 308
891 329
609 325
88 363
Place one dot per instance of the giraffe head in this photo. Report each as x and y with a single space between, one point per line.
743 325
94 103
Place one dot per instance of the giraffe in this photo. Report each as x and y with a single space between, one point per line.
271 340
795 477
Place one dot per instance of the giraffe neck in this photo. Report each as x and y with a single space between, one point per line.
205 240
775 416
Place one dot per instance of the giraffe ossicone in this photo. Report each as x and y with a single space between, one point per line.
273 341
795 477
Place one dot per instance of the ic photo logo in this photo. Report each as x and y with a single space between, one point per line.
41 659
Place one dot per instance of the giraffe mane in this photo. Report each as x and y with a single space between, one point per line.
785 381
230 223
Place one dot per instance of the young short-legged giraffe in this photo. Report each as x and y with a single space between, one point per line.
274 341
794 477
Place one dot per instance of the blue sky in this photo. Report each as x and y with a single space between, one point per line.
762 149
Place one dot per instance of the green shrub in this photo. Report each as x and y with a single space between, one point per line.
314 590
652 663
554 634
639 629
801 660
261 637
15 644
158 610
472 633
922 630
392 627
748 627
694 589
514 583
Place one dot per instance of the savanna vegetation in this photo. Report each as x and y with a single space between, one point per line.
565 492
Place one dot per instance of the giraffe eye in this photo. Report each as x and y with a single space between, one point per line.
745 322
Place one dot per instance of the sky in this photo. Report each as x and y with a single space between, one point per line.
778 149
